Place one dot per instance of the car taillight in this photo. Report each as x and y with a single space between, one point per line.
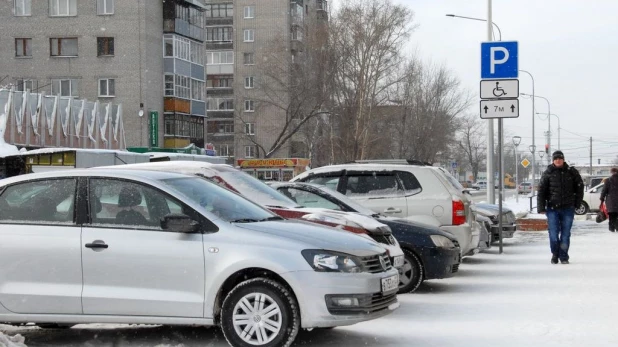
459 212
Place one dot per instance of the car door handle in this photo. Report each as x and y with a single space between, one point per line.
392 210
98 244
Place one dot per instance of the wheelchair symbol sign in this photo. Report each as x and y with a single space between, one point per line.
499 89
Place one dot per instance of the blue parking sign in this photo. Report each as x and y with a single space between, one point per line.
499 60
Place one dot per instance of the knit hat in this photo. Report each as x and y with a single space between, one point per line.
557 155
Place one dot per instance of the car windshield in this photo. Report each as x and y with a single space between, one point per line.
256 190
346 200
219 201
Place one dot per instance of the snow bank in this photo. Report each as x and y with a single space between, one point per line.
12 341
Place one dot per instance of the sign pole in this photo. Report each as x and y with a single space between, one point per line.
501 184
516 176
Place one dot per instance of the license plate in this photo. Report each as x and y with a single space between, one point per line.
390 283
398 261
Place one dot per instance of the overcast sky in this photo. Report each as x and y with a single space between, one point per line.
570 47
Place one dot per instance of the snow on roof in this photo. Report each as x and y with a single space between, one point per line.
79 150
7 150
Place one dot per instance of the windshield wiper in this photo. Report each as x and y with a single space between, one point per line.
245 220
271 218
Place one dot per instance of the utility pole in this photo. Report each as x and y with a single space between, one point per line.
491 197
590 160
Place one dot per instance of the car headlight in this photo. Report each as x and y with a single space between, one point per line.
328 261
442 241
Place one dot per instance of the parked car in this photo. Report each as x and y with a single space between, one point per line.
488 215
143 247
260 193
429 252
524 188
417 192
474 186
591 201
481 184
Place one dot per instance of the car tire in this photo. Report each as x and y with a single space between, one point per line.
582 209
278 329
411 274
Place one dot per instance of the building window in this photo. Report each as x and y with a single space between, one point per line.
297 33
169 85
222 57
65 87
250 128
219 11
105 7
63 47
21 85
168 47
219 34
220 104
63 7
226 151
105 46
219 81
182 87
249 35
249 58
22 7
107 87
249 82
249 12
249 106
197 53
197 90
225 128
250 151
23 48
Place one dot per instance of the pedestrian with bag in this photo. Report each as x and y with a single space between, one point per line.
609 196
561 190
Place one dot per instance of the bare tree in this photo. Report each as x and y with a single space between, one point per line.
366 38
290 86
472 142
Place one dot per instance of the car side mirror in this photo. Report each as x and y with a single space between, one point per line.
179 223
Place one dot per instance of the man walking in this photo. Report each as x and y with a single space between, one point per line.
610 197
561 190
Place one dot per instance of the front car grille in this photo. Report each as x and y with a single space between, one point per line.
385 239
372 264
367 304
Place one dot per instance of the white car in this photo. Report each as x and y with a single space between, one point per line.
592 200
420 193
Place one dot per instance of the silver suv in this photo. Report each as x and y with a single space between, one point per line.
145 247
418 192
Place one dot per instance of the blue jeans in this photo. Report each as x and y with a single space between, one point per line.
559 223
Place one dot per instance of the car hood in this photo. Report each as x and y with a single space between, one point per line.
489 209
409 226
314 236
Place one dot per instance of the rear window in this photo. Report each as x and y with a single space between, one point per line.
410 183
328 181
375 184
453 182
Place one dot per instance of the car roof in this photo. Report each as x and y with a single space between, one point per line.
128 174
363 167
180 166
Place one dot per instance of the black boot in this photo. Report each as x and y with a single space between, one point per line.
564 261
554 259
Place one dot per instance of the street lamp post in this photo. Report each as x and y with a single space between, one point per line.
541 154
548 124
558 118
516 142
533 147
490 122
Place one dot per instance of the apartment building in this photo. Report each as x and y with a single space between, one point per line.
146 55
241 37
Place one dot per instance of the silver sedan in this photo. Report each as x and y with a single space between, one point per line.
144 247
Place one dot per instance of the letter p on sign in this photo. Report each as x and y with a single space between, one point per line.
499 60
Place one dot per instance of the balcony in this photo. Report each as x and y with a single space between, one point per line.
183 28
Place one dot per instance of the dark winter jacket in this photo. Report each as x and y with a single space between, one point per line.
610 193
560 188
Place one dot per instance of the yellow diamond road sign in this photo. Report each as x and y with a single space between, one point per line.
525 162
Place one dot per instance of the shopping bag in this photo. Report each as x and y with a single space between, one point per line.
602 215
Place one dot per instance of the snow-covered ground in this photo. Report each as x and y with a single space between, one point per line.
512 299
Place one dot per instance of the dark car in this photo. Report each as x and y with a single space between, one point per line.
429 252
491 222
